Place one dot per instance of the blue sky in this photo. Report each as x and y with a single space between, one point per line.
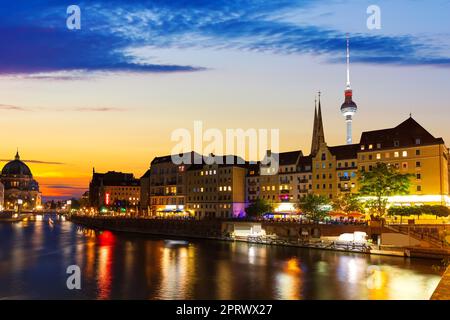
36 39
110 94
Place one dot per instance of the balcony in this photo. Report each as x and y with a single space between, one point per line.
303 190
344 189
344 178
284 191
303 181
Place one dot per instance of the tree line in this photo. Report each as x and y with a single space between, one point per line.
375 186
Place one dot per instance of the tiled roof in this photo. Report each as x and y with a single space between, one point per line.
289 158
222 161
405 133
146 174
346 151
113 178
168 158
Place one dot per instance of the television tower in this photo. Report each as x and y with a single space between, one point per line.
348 108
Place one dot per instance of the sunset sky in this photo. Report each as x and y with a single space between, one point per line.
110 94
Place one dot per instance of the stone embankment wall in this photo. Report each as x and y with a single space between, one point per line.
182 228
213 228
442 291
295 230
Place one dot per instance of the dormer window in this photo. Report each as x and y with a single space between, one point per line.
396 143
417 140
362 147
378 145
370 146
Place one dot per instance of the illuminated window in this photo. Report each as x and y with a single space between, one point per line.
378 156
387 155
263 188
362 147
215 172
396 154
405 153
220 188
201 173
229 188
370 146
201 189
273 188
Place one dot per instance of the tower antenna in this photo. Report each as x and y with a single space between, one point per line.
348 108
348 63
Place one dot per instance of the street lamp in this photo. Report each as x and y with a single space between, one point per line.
19 205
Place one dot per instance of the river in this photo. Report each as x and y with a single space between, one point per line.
34 257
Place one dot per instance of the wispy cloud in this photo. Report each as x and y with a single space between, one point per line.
62 186
76 109
11 107
99 109
36 161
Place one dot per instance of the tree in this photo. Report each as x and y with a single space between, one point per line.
314 206
75 204
258 207
348 203
436 210
404 211
379 183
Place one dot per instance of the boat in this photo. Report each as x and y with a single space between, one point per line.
176 242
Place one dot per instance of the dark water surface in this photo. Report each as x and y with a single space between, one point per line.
34 257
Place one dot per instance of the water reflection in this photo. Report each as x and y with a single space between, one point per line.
34 256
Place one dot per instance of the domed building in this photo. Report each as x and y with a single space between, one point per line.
19 184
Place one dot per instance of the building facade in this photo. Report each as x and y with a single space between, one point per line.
2 196
114 191
163 186
20 189
216 188
287 187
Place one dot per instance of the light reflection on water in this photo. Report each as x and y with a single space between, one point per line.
34 257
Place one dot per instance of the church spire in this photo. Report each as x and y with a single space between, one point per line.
17 157
318 135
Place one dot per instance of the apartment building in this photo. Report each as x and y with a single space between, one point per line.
216 188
